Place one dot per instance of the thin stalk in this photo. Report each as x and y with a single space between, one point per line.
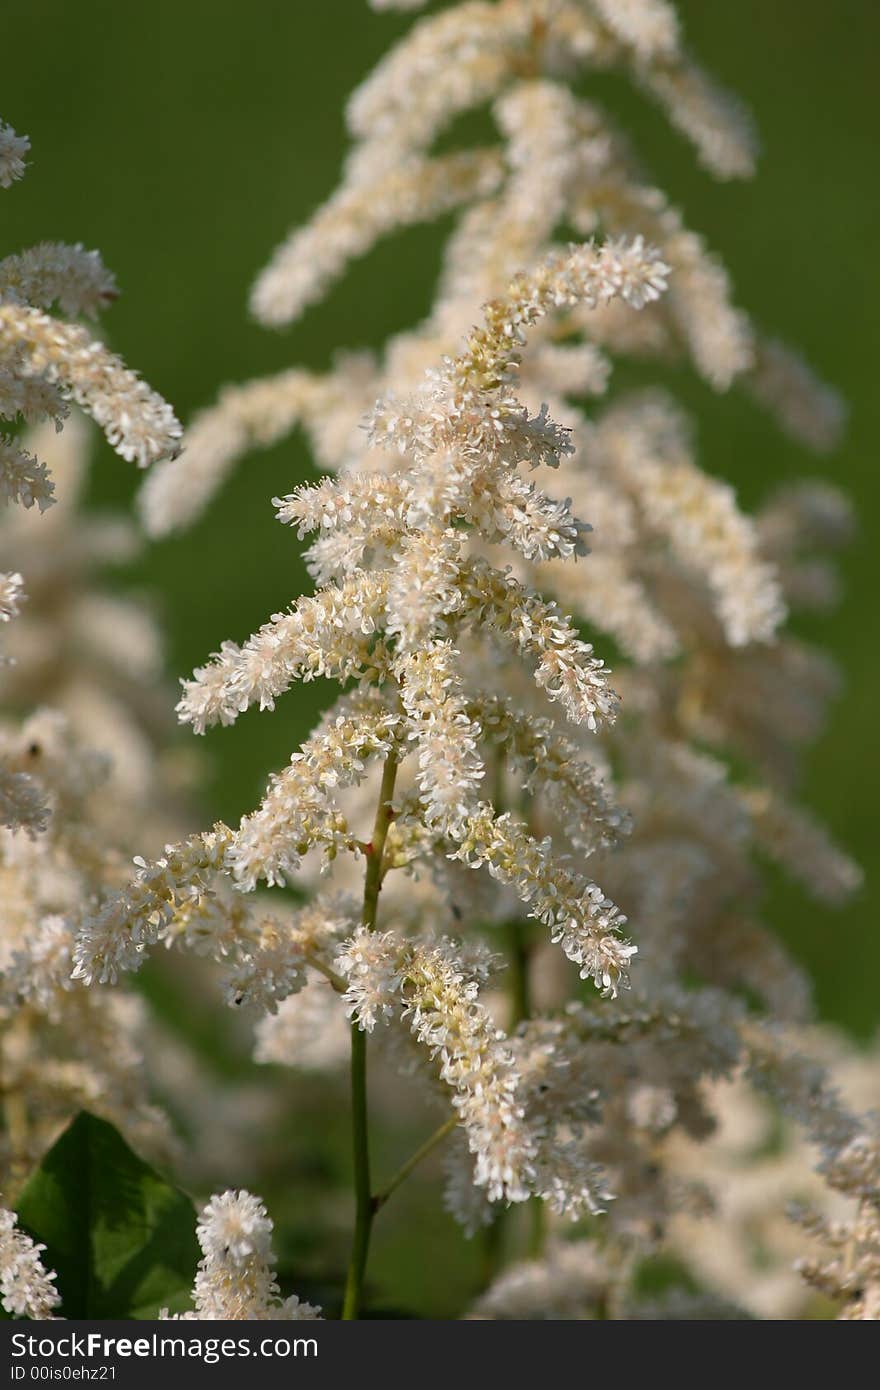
493 1249
414 1160
521 1004
363 1221
520 999
518 976
537 1228
364 1209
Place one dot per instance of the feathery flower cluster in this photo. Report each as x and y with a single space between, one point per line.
236 1275
429 987
46 362
13 149
452 593
11 595
147 908
397 614
848 1271
27 1290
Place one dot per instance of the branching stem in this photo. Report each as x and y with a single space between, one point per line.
414 1160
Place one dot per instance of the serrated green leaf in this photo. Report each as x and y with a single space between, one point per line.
120 1238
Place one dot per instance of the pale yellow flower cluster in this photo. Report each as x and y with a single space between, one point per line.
465 608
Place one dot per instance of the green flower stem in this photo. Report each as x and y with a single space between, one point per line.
518 967
364 1208
363 1223
414 1160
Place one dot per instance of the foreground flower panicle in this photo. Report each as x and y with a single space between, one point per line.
395 624
481 808
236 1275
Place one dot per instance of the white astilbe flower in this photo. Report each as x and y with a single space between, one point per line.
76 648
699 311
570 1281
370 963
848 1271
72 820
23 479
113 937
649 27
446 64
46 362
271 963
236 1274
13 150
34 398
810 411
849 1147
300 809
791 837
599 183
423 586
54 273
576 369
804 1091
566 669
328 635
612 600
365 508
450 769
563 159
308 1031
138 423
800 526
12 595
22 802
548 765
419 190
428 986
716 123
468 434
246 417
444 1015
27 1289
88 666
589 275
647 445
457 600
580 917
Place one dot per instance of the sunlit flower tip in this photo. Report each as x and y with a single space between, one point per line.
138 423
235 1225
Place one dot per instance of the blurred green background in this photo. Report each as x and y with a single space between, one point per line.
184 138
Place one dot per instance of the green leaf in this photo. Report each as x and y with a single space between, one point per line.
120 1238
